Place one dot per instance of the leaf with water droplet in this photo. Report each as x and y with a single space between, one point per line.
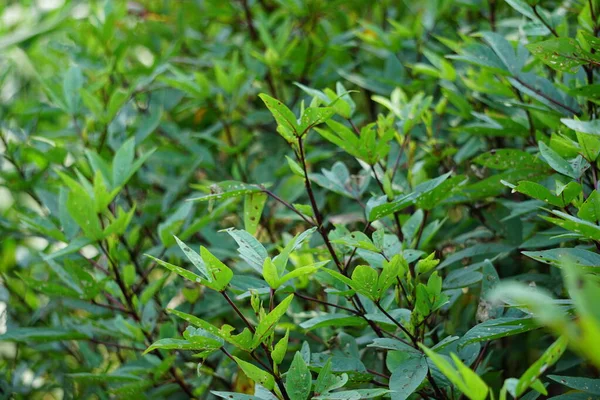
253 207
298 381
408 376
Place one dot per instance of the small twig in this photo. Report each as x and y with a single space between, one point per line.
543 21
287 205
492 5
550 99
373 372
398 324
421 228
238 312
400 153
117 345
326 303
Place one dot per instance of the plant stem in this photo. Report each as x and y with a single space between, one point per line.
287 205
398 324
238 312
492 5
400 153
326 303
550 99
121 283
421 228
323 233
543 21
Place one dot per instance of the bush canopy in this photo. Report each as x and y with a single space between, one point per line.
287 199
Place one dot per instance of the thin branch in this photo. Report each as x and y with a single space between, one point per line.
287 205
397 162
117 345
543 21
355 299
421 229
542 94
238 312
326 303
398 324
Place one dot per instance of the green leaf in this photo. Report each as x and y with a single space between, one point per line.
242 340
549 358
426 264
117 100
503 159
582 258
389 273
537 191
562 54
537 302
357 239
122 162
589 127
313 116
546 93
404 201
194 259
327 381
189 275
356 394
102 196
48 24
365 280
584 384
590 209
227 190
270 273
40 335
87 377
394 344
407 377
342 278
269 322
253 207
298 382
282 259
256 374
341 136
558 163
459 374
280 349
295 167
332 320
286 120
81 208
503 49
302 271
579 226
235 396
72 83
221 274
199 343
498 328
432 198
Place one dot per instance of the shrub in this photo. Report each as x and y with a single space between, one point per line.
291 200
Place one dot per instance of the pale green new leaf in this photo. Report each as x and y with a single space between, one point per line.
269 322
256 374
465 379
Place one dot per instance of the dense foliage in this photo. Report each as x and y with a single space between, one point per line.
286 199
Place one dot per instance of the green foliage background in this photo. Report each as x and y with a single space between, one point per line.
285 199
